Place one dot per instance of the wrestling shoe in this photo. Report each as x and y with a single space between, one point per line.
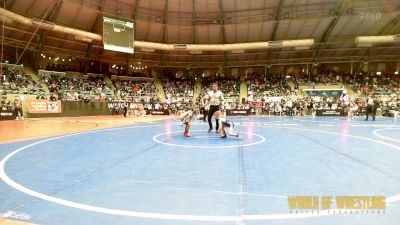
187 135
209 130
223 136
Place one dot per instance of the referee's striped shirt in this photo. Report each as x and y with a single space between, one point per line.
215 98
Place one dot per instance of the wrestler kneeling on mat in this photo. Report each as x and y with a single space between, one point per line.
223 122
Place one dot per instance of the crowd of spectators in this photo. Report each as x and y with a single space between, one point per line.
6 105
293 105
371 83
18 82
323 78
271 85
229 86
140 90
270 95
77 89
178 88
301 106
178 93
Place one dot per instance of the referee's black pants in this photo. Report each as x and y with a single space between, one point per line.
213 109
369 111
125 111
17 111
204 112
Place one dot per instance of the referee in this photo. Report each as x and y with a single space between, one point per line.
213 99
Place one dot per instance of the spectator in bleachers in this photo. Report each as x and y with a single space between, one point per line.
18 82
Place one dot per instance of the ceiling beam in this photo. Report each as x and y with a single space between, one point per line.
223 35
135 16
9 3
392 23
33 3
278 19
385 30
136 11
194 34
51 17
165 29
95 25
339 10
240 63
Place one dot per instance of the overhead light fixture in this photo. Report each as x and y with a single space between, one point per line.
397 72
275 43
378 73
180 46
377 39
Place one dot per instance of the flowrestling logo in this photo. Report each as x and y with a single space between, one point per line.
337 204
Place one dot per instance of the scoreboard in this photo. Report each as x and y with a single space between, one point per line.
118 35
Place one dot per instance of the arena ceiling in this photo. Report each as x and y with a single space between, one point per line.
333 24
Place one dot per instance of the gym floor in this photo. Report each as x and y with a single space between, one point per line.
107 170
